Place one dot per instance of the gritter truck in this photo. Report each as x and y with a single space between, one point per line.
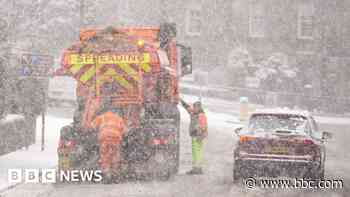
138 68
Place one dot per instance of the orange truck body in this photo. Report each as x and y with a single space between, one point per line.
134 73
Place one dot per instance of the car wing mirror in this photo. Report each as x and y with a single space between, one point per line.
185 59
238 131
326 135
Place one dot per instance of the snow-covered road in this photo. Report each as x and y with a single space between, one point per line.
217 180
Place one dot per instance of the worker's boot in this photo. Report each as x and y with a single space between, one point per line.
195 170
117 177
191 171
107 178
199 170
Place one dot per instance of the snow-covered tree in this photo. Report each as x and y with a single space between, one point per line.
275 74
238 62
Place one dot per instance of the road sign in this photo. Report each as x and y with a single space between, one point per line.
36 65
26 71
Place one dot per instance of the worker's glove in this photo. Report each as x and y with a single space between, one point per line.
184 104
204 134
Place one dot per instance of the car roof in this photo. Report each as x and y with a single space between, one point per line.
282 111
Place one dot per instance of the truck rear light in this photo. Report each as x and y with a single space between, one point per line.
159 141
156 142
164 141
308 142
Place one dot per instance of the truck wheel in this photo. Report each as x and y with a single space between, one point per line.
177 150
174 160
316 174
177 122
177 160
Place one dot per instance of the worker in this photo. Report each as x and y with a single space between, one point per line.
198 131
111 127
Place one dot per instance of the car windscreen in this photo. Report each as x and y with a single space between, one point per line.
277 123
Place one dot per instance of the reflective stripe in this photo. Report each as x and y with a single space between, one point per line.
130 71
80 63
145 62
76 67
146 58
111 72
89 74
125 67
146 67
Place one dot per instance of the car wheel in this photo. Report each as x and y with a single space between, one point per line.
318 174
315 174
321 174
320 171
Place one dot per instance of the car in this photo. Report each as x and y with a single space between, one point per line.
280 143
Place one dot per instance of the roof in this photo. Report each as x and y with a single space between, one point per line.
283 111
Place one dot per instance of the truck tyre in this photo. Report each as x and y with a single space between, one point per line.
176 152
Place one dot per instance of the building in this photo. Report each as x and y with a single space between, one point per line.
199 24
313 34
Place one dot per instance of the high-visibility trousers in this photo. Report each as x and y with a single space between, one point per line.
197 152
109 156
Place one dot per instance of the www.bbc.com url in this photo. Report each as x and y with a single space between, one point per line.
297 183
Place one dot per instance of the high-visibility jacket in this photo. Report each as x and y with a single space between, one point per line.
198 124
110 125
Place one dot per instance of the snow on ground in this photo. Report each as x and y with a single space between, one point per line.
34 157
332 120
231 110
222 120
11 117
220 132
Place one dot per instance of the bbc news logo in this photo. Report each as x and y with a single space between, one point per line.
52 175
